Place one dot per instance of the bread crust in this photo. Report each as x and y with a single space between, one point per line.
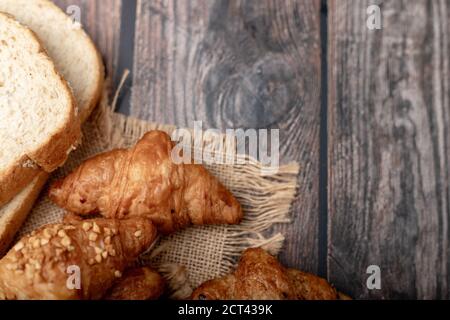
16 178
54 151
85 110
13 215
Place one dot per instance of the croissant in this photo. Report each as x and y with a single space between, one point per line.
140 283
144 181
81 260
259 276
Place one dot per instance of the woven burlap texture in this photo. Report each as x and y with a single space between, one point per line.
206 252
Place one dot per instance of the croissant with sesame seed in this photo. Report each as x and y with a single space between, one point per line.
144 181
78 260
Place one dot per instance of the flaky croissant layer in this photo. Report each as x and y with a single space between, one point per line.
144 181
80 260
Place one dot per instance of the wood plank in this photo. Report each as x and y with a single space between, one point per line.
389 148
239 64
101 20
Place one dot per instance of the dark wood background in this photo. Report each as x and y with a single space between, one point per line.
366 113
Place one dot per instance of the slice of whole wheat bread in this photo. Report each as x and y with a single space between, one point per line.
86 75
38 122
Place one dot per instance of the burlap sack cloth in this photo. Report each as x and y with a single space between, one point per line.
206 252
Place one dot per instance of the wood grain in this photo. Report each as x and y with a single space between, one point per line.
239 64
389 148
101 20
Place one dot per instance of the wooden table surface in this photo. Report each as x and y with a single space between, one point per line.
366 113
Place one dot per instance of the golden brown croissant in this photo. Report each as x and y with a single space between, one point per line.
143 181
259 276
73 261
140 283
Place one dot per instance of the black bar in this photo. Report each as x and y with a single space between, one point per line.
165 309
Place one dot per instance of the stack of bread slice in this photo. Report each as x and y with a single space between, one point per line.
51 78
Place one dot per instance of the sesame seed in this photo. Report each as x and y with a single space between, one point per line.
36 243
105 254
98 258
66 241
44 242
92 236
96 228
86 226
117 274
98 250
19 246
47 234
138 233
62 233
